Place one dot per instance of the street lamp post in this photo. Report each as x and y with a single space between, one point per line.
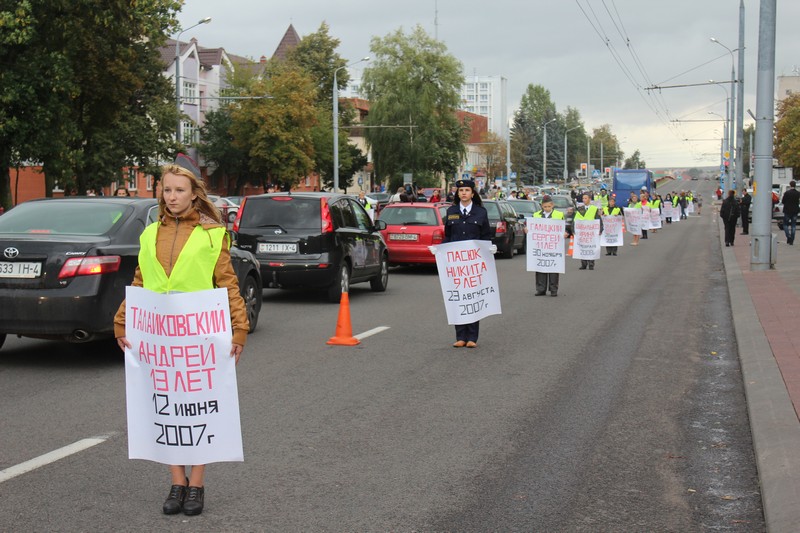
728 129
336 123
725 185
544 151
566 174
179 129
732 114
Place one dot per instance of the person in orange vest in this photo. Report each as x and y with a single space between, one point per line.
187 250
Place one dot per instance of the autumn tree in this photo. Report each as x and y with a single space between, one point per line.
413 86
493 152
604 148
787 131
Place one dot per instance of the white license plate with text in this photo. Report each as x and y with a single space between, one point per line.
20 270
277 248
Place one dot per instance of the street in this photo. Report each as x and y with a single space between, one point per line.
617 406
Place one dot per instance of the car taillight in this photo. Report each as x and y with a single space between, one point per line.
325 215
239 215
501 226
89 266
438 235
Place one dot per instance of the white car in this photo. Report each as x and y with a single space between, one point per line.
227 207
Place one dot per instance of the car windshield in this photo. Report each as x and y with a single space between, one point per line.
283 211
73 217
523 207
409 216
560 202
492 209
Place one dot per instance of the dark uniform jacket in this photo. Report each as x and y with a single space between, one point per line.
791 202
474 226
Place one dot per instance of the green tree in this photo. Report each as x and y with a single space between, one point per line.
415 83
604 148
537 109
635 161
787 131
275 132
576 139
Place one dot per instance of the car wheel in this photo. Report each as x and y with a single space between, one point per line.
340 284
232 217
379 282
252 301
2 339
508 251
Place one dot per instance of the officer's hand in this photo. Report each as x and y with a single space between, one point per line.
432 249
493 249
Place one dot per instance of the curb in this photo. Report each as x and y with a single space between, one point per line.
773 421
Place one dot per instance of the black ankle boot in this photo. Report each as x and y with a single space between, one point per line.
193 505
174 502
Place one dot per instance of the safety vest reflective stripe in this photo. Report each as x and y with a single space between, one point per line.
194 269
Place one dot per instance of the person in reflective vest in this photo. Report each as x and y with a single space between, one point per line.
611 210
655 205
587 211
671 201
547 280
186 250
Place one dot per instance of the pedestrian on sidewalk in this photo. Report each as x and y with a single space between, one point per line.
791 206
729 213
744 204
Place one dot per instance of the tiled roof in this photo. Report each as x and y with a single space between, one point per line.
289 41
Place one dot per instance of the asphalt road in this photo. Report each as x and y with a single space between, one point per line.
617 406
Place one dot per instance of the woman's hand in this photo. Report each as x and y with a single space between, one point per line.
123 343
236 351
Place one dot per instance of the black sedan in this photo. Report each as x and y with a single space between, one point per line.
65 263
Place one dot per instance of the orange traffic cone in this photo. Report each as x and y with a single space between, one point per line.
571 242
344 330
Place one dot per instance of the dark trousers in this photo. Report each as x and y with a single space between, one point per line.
543 279
730 231
587 262
644 234
611 250
745 221
467 332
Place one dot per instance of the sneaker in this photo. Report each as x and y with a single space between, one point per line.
174 502
193 505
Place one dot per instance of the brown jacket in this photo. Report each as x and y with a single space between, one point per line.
172 235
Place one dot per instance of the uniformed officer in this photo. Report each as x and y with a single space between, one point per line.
611 210
467 220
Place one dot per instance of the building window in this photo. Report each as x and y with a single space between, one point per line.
470 98
470 87
189 94
131 185
484 110
190 133
484 86
149 180
484 98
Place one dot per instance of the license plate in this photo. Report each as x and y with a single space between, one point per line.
277 248
403 237
20 270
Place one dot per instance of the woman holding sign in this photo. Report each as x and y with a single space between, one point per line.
186 250
467 220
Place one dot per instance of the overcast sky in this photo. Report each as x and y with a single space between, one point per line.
559 44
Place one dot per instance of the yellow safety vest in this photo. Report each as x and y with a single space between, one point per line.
591 213
194 269
555 215
613 212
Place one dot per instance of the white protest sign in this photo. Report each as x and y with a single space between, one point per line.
612 231
645 218
587 239
689 207
183 403
546 245
655 218
468 278
633 220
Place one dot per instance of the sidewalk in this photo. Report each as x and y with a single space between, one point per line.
766 318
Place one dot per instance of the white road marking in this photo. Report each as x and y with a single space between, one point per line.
50 457
371 332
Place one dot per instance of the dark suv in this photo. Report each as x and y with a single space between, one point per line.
508 228
315 240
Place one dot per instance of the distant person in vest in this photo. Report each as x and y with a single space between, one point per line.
587 211
548 280
467 220
189 231
611 210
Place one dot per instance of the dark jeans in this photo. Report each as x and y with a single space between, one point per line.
467 332
745 221
789 227
730 231
543 279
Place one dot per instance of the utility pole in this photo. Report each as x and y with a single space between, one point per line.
761 243
740 105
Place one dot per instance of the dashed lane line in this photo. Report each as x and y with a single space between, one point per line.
50 457
371 332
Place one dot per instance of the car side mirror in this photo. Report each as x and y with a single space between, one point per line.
379 225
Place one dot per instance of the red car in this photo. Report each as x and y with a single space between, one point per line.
410 229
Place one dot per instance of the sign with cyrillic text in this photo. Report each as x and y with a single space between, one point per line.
183 403
587 239
545 245
468 278
655 218
633 220
645 218
612 231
